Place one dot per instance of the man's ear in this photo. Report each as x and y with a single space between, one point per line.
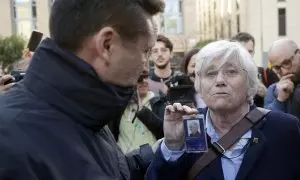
104 40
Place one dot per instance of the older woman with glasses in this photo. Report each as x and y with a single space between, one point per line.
226 77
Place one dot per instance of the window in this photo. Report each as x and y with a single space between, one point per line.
238 23
238 5
229 27
209 15
22 1
222 34
24 16
33 9
282 22
173 21
33 14
180 6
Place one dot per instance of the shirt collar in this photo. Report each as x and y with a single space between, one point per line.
210 130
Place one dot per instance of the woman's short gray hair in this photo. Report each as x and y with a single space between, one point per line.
224 51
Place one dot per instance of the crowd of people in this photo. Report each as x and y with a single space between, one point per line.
90 107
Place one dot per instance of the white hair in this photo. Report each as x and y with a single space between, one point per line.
224 51
193 124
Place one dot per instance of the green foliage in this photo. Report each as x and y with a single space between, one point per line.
11 50
201 44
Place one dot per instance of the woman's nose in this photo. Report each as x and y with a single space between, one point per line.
220 79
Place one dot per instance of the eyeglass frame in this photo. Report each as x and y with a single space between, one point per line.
286 63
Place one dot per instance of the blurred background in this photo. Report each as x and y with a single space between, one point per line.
188 23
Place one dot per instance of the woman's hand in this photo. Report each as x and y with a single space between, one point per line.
173 125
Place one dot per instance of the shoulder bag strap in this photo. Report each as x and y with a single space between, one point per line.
219 147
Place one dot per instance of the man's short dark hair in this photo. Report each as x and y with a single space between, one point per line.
243 37
166 41
72 21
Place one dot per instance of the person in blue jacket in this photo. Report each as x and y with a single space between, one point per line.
284 55
226 77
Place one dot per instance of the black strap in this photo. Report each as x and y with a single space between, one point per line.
219 147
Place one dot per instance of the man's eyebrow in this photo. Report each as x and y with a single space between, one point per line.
286 59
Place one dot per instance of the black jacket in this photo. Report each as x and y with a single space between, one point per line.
53 123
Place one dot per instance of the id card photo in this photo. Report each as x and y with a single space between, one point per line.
195 135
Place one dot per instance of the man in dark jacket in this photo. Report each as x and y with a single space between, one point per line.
53 124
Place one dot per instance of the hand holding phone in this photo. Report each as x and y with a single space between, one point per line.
34 40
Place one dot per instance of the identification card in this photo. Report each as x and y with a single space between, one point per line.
195 135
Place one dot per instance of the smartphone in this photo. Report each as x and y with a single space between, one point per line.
183 94
34 40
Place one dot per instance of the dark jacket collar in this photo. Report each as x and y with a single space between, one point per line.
257 144
70 85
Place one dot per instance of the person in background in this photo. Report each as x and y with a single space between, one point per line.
161 55
139 125
266 75
53 123
284 55
188 68
226 77
27 54
20 65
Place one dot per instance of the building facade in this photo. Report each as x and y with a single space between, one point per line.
181 23
266 20
24 16
185 22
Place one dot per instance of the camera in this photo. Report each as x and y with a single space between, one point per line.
181 89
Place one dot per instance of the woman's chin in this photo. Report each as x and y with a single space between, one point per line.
220 105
